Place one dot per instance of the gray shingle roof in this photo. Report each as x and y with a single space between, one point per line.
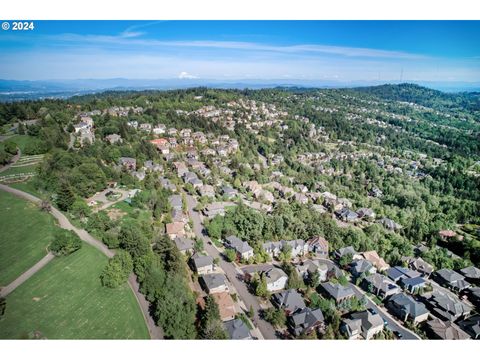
410 306
213 281
289 300
237 330
337 291
202 260
471 272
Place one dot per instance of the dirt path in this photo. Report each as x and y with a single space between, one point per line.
155 331
14 160
26 275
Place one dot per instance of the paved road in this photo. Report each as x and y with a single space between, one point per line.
393 324
267 330
26 275
155 331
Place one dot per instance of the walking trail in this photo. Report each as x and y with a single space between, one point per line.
155 331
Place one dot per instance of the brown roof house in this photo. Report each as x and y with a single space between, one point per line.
175 229
376 260
318 246
226 306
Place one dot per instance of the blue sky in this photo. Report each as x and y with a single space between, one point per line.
238 50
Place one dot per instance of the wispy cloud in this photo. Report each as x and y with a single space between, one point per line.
132 38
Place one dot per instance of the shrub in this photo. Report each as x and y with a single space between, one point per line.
65 242
117 270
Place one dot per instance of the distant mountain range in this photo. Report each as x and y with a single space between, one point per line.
15 90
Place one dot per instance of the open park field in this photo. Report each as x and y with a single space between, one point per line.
65 300
25 234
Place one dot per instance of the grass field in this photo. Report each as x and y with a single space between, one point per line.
25 234
65 300
29 187
22 140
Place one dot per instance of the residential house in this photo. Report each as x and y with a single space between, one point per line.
413 285
444 330
471 273
420 265
176 202
305 321
151 166
318 246
167 184
366 213
313 266
185 133
289 301
345 251
179 216
159 129
276 279
272 248
380 286
298 247
237 330
226 306
181 168
362 324
376 260
346 215
243 250
214 209
140 174
202 264
362 267
175 229
451 279
301 198
184 244
214 283
128 163
471 326
337 292
113 138
229 192
447 306
409 279
406 308
446 235
207 190
145 127
473 294
389 224
376 192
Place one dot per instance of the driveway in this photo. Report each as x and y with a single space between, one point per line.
393 323
231 271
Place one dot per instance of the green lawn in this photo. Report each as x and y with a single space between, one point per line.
65 300
22 140
20 170
25 233
29 187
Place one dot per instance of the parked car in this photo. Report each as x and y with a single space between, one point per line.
398 334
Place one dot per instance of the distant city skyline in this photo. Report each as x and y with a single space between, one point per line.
342 51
